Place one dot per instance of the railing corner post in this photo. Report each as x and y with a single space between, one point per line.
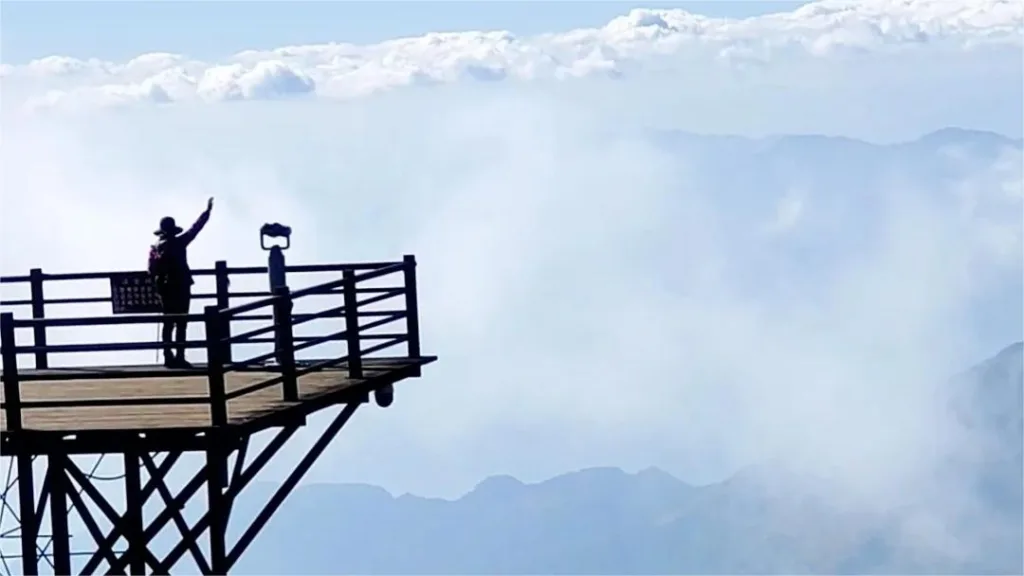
355 358
215 366
35 278
12 385
284 341
223 282
412 308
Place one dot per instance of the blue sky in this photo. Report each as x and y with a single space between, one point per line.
209 30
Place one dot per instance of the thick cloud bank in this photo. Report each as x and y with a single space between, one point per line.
642 40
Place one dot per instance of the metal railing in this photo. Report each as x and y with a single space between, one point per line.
275 309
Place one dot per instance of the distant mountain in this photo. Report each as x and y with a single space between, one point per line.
794 210
605 521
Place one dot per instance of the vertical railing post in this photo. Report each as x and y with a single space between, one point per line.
355 358
215 366
220 269
12 386
284 342
412 308
35 278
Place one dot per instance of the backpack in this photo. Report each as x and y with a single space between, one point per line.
157 262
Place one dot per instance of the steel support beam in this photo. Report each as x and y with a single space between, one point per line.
56 464
133 513
29 521
217 507
65 483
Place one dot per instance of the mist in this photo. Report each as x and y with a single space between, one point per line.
591 302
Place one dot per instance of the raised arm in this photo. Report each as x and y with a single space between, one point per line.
189 235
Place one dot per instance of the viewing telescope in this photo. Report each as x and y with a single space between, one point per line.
275 261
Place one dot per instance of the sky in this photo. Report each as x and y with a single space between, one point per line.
120 30
524 171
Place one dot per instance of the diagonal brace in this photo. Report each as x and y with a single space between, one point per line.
115 519
115 532
232 492
290 482
179 520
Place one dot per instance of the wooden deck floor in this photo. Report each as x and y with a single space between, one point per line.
168 385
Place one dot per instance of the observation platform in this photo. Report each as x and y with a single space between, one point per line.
271 360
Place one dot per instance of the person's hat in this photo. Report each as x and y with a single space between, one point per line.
168 227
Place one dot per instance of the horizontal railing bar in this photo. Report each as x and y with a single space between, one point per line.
249 307
100 402
323 364
325 288
307 342
330 286
380 298
106 320
378 323
370 313
104 347
314 340
319 340
304 268
92 300
384 345
328 313
317 289
337 311
259 317
244 336
295 317
199 296
383 271
271 340
299 269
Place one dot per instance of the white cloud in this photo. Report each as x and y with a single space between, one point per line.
642 39
266 80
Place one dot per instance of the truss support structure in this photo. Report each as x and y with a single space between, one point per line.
128 546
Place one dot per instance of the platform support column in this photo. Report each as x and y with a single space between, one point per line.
216 466
29 520
57 478
134 504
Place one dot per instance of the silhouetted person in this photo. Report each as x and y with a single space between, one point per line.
168 264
